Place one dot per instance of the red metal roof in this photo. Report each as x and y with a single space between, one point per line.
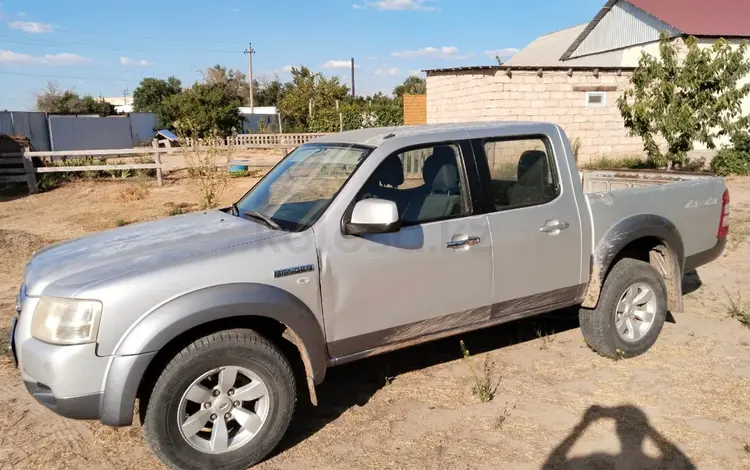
702 17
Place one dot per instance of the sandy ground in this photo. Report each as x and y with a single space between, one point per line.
556 402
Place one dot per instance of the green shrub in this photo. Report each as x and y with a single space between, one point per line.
611 163
245 173
731 162
52 180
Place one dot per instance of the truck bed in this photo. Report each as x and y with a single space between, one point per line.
692 202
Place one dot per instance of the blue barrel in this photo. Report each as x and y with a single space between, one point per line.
237 166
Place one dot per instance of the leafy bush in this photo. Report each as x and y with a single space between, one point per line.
731 162
611 163
734 160
208 165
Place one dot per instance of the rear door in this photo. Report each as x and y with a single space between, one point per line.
534 220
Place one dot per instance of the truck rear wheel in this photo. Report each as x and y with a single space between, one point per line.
223 402
631 311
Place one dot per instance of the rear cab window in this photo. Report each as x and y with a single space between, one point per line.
522 171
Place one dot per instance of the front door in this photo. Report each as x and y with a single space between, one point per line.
433 275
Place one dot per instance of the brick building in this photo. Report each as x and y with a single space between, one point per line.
574 77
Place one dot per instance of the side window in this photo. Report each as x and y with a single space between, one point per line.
521 171
426 183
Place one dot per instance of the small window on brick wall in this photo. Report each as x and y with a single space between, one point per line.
596 99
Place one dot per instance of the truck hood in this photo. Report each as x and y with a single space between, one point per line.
64 268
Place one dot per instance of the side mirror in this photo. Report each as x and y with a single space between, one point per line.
371 216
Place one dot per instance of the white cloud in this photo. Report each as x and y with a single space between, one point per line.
502 53
445 52
30 27
416 73
388 72
53 60
339 64
395 5
127 62
288 68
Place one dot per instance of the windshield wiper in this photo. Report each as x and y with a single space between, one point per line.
263 217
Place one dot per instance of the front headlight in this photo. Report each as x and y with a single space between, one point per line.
66 321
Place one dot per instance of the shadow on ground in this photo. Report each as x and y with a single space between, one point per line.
691 282
633 428
354 384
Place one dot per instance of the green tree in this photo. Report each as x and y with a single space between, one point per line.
234 79
152 92
203 109
411 86
269 92
91 105
698 98
309 90
55 100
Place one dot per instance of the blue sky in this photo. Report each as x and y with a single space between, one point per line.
104 47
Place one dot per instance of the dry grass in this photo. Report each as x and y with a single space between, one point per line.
738 308
739 231
484 384
411 409
133 193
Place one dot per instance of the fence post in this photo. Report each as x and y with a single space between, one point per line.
283 140
157 160
28 167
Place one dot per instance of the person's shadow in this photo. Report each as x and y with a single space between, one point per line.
632 429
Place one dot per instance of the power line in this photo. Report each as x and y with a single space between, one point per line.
130 36
72 77
104 47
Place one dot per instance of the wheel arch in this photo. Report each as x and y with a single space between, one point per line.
271 311
648 237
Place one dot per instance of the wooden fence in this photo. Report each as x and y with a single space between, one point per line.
19 167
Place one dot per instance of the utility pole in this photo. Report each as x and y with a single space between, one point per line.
249 51
354 95
125 96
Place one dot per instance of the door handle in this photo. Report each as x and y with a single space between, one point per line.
468 241
553 227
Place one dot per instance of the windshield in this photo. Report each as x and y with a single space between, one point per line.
299 189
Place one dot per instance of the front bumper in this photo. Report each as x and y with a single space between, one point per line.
65 379
80 407
72 380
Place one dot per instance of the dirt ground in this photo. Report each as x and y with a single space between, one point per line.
685 404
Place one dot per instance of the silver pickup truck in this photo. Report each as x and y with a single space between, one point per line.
355 244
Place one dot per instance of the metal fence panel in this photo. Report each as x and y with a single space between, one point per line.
6 122
142 126
85 133
30 124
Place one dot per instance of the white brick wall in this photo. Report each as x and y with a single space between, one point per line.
491 95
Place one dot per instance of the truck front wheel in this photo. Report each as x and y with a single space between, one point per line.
223 402
631 311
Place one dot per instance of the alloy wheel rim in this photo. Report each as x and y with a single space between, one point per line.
635 312
223 409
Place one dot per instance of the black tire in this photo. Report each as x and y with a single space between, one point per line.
599 325
242 348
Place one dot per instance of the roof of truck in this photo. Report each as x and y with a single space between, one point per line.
375 136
